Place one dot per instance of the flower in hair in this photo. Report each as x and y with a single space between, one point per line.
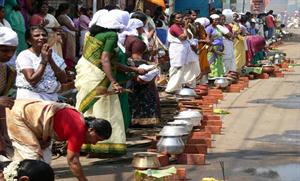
11 171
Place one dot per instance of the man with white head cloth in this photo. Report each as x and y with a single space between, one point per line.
8 46
96 74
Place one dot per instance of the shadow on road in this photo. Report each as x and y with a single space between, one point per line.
115 171
293 38
290 137
253 154
290 102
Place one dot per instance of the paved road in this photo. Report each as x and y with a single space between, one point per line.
261 135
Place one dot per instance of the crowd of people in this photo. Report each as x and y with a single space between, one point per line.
209 47
116 73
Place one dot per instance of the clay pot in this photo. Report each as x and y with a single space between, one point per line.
268 69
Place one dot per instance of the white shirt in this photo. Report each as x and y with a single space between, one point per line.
5 24
47 87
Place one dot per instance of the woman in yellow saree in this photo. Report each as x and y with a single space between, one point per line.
96 71
201 24
239 45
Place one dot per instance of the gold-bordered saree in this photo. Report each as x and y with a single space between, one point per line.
89 76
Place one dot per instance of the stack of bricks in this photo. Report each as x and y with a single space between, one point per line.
200 140
204 103
241 84
195 149
246 81
282 66
197 145
200 104
278 74
211 123
217 93
263 76
233 88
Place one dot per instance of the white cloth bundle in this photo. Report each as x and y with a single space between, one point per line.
114 19
151 74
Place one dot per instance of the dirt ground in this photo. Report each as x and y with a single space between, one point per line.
260 139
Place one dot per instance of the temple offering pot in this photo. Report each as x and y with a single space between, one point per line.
170 144
221 82
184 123
187 92
193 116
173 130
145 160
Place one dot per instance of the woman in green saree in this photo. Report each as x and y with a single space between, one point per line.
96 70
215 54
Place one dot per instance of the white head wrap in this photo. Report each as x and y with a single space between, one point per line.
228 15
8 37
135 23
130 30
97 16
114 19
214 16
203 21
227 11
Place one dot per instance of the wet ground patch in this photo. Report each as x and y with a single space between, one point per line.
287 172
